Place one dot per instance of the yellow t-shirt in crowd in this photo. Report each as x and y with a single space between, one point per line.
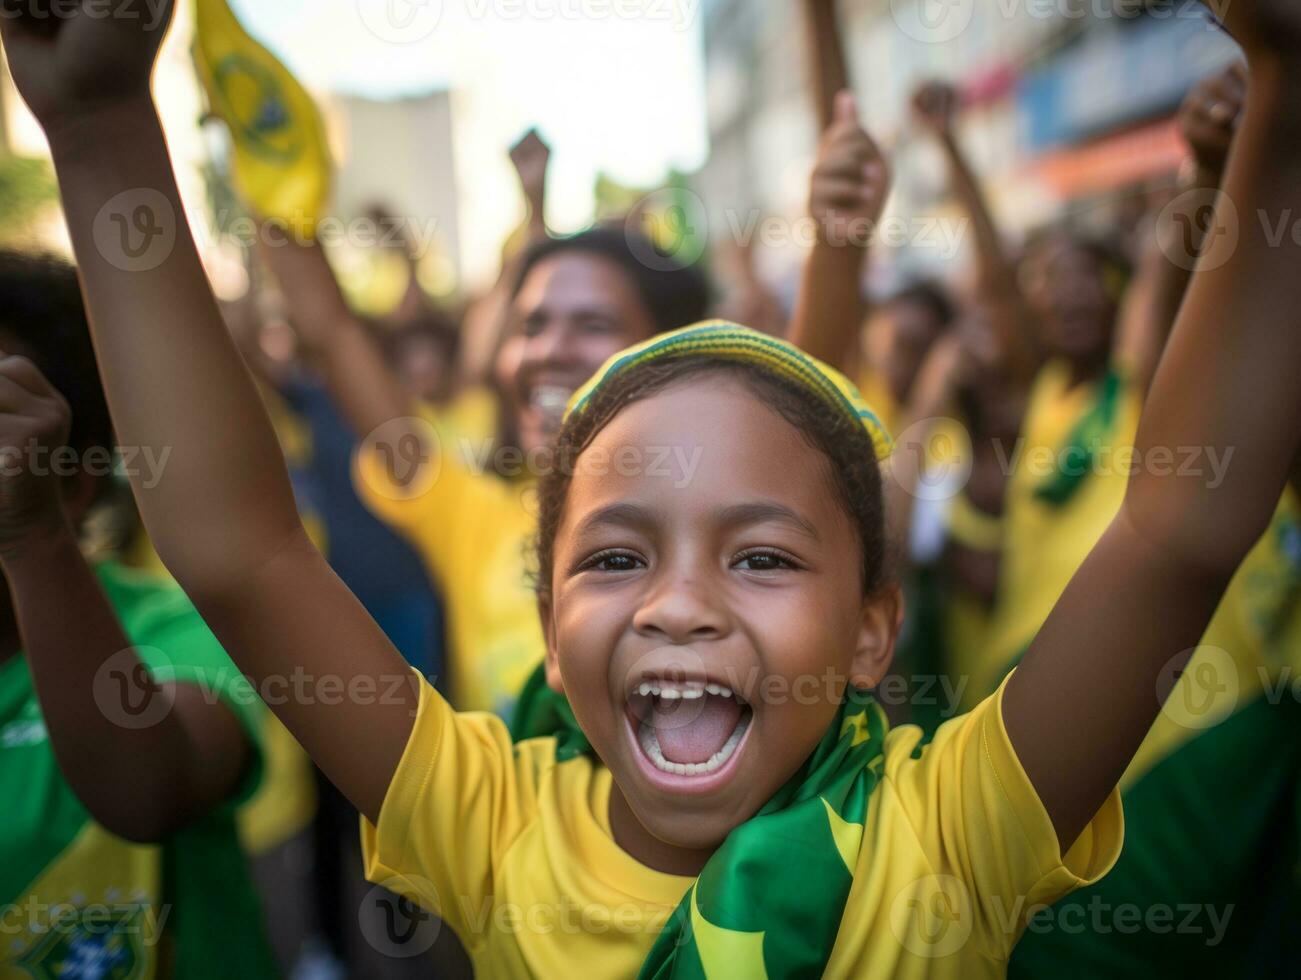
879 398
1045 544
514 851
474 530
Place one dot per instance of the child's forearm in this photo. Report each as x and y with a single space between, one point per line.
830 308
997 278
1227 380
829 70
222 516
122 744
175 380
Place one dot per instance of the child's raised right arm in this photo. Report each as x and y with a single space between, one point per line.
222 516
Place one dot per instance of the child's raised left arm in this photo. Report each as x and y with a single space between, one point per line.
1087 692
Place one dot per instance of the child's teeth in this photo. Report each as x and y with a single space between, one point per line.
650 745
691 693
644 690
670 694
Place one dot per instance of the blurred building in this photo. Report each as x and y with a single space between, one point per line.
1069 105
399 154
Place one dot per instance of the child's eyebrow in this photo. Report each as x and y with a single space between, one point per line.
760 511
620 515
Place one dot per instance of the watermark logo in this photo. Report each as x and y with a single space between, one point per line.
934 458
400 926
408 455
932 21
136 230
401 21
668 229
933 916
1199 229
1200 692
125 693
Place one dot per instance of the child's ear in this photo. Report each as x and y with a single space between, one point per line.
549 634
879 626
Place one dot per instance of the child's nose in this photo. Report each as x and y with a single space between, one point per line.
682 609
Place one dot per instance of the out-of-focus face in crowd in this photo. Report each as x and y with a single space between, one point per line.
1066 286
573 311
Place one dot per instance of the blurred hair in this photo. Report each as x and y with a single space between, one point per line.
854 474
1114 264
41 308
674 295
930 294
434 325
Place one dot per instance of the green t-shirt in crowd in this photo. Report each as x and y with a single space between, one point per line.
77 901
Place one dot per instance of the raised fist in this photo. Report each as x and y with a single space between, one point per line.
851 180
1209 117
935 104
73 59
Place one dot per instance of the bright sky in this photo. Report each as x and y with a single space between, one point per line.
613 85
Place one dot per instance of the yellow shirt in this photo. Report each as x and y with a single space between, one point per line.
515 852
1045 545
872 386
474 531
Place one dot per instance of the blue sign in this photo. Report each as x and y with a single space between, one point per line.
1119 75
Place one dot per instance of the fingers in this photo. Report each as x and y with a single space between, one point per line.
845 112
22 372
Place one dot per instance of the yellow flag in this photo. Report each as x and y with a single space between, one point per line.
281 164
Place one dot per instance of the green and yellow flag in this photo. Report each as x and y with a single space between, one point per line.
281 165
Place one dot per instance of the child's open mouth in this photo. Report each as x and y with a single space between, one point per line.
688 729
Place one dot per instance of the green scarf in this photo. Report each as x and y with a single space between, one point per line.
1082 444
770 900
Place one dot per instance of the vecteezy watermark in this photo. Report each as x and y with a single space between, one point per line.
396 917
681 14
411 21
676 464
1208 463
126 693
402 459
932 917
135 231
137 462
754 686
565 917
152 12
418 236
668 228
940 21
400 21
79 920
932 459
1199 690
1098 917
1198 229
944 236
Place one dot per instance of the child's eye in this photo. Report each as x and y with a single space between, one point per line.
764 561
612 561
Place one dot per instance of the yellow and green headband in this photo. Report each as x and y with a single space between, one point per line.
729 341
